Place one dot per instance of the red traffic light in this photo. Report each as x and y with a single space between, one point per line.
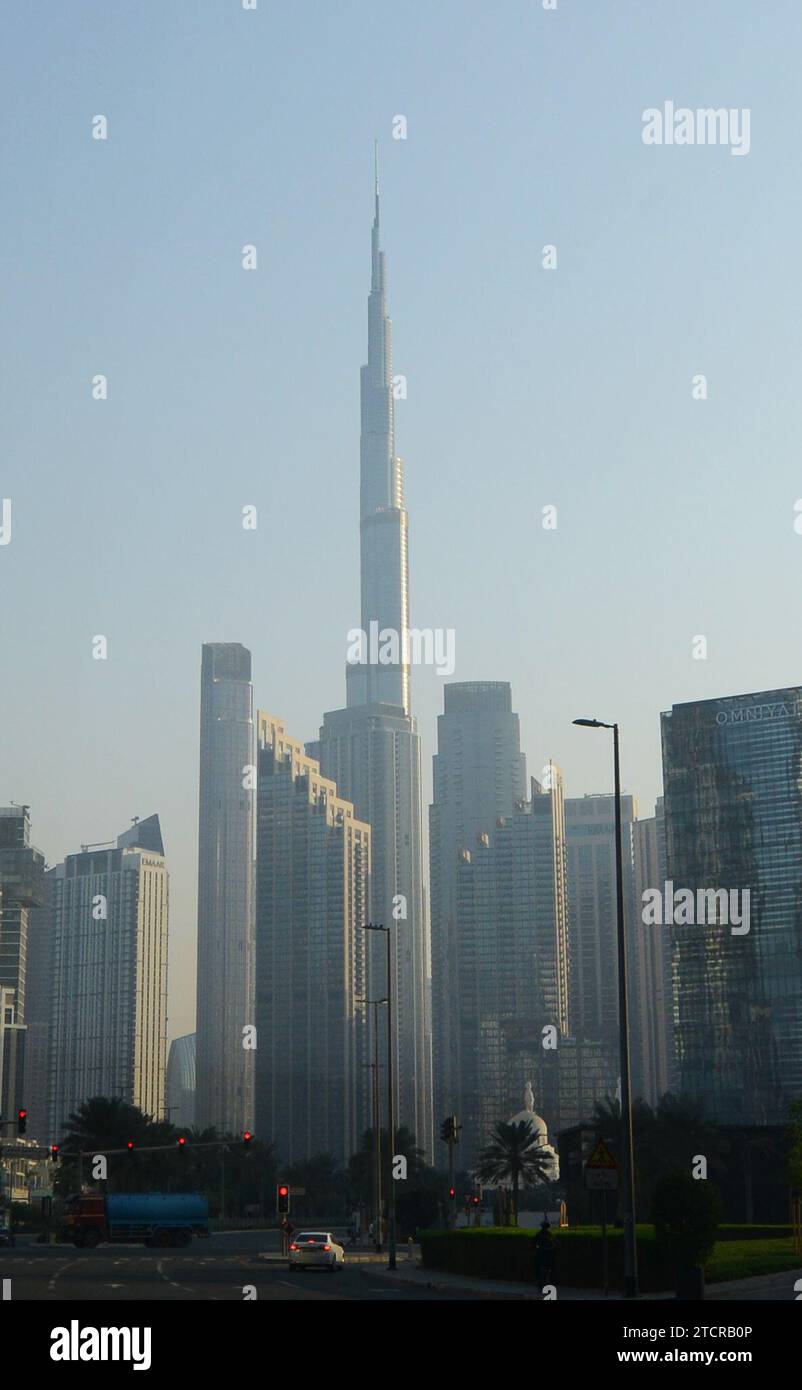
283 1191
247 1137
452 1192
21 1114
54 1150
130 1146
182 1139
22 1121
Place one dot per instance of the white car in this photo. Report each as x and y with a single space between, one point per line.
316 1250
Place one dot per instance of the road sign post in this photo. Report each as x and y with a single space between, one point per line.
601 1175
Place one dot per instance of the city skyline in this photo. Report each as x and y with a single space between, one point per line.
497 351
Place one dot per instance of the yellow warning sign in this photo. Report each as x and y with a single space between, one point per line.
601 1157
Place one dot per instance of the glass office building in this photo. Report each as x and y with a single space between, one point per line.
732 772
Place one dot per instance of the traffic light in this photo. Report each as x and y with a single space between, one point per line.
283 1199
449 1130
182 1143
130 1147
247 1137
54 1151
452 1192
22 1121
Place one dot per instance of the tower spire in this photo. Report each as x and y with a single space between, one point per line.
376 175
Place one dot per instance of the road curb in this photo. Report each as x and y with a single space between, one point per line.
437 1286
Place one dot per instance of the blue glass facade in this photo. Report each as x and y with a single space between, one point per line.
732 772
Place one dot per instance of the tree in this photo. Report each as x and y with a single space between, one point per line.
325 1193
109 1122
514 1153
795 1156
362 1164
686 1215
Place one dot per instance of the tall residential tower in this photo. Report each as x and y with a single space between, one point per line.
224 1068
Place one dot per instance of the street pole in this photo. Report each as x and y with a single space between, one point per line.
390 1109
630 1243
370 926
627 1156
377 1123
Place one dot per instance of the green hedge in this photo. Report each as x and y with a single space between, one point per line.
494 1252
730 1232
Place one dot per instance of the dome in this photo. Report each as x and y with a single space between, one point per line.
529 1116
540 1130
537 1122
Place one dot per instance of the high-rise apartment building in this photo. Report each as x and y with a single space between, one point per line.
732 777
108 942
507 984
650 991
312 897
21 889
479 775
21 893
224 1067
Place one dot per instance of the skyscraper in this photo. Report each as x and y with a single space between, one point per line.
313 881
507 988
21 894
732 773
108 936
21 889
224 1095
371 749
181 1082
649 966
479 775
592 936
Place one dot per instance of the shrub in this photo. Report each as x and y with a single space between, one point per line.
686 1216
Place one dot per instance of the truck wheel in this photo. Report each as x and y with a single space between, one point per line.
91 1238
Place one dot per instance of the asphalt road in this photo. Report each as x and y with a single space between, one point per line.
220 1268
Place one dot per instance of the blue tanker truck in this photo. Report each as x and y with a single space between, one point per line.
141 1218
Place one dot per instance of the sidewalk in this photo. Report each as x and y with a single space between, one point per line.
771 1287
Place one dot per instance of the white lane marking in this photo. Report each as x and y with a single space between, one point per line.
172 1282
6 1288
59 1272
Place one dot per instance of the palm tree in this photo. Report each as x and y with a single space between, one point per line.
514 1153
104 1122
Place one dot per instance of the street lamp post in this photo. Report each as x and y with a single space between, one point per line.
375 1090
628 1165
370 926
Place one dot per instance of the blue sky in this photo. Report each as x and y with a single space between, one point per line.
525 387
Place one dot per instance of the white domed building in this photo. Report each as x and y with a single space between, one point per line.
530 1116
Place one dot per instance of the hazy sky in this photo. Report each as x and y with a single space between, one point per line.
526 387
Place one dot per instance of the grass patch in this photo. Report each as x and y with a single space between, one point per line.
746 1259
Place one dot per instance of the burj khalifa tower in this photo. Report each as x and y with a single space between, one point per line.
382 515
372 748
